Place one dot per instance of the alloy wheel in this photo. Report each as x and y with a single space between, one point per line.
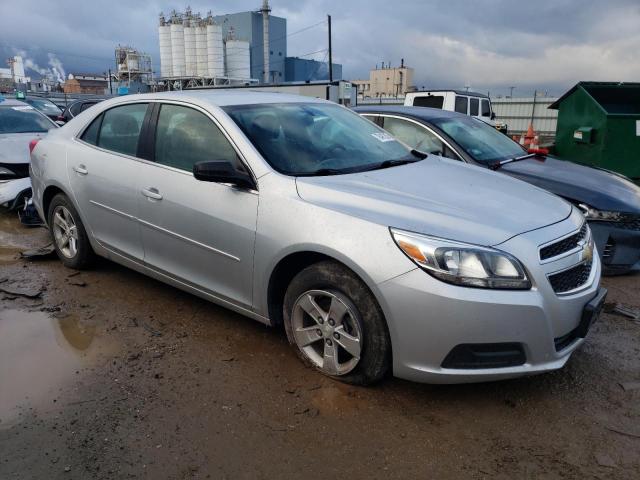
327 330
65 231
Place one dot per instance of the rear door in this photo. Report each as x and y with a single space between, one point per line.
199 233
103 167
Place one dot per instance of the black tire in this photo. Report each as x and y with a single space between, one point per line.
84 256
375 355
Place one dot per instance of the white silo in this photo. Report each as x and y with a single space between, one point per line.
238 59
177 46
201 50
164 32
215 49
190 58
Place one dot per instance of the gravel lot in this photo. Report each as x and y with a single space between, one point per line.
109 374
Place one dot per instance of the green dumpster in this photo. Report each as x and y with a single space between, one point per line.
599 125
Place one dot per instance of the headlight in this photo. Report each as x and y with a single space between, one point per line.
462 263
595 215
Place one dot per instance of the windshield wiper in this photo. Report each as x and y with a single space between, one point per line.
323 171
392 163
497 165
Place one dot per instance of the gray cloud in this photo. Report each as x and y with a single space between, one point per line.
488 44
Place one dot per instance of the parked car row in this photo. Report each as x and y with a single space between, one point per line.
20 124
377 254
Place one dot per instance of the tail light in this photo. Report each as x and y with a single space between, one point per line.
32 144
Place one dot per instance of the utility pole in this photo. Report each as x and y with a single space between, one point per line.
110 89
330 51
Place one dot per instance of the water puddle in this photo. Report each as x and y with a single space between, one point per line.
39 355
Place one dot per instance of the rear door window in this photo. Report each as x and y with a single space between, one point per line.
185 136
87 105
120 130
462 104
431 101
486 108
474 107
75 108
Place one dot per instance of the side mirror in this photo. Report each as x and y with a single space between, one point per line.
493 115
221 171
60 122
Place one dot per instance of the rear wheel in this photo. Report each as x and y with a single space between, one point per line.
336 325
68 234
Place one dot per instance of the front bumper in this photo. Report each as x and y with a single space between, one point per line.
428 318
619 247
11 189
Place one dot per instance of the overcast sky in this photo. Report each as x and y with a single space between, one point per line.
489 45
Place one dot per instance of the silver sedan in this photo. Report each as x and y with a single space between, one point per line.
296 211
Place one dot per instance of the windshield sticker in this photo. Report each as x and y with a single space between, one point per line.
23 107
383 137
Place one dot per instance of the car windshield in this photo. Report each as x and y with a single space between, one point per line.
483 142
44 105
23 119
315 138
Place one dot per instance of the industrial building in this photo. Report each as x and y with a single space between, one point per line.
233 49
86 83
386 82
134 73
305 70
14 75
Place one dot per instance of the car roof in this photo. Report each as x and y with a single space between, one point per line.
225 97
11 102
419 113
457 92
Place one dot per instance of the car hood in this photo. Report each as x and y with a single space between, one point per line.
439 197
597 188
14 147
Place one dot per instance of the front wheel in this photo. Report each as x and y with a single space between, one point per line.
68 234
336 325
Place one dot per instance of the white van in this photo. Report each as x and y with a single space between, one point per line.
469 103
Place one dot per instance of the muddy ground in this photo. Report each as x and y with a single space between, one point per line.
109 374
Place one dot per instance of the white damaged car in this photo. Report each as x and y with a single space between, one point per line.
20 124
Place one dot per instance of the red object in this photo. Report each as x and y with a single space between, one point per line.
539 151
32 144
530 136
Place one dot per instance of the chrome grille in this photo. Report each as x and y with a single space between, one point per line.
565 245
570 279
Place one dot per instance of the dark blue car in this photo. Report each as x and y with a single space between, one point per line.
611 202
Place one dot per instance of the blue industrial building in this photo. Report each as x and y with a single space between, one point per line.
248 26
304 70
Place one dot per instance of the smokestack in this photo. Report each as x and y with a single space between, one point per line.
265 38
402 63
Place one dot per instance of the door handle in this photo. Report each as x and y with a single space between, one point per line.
152 193
81 169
